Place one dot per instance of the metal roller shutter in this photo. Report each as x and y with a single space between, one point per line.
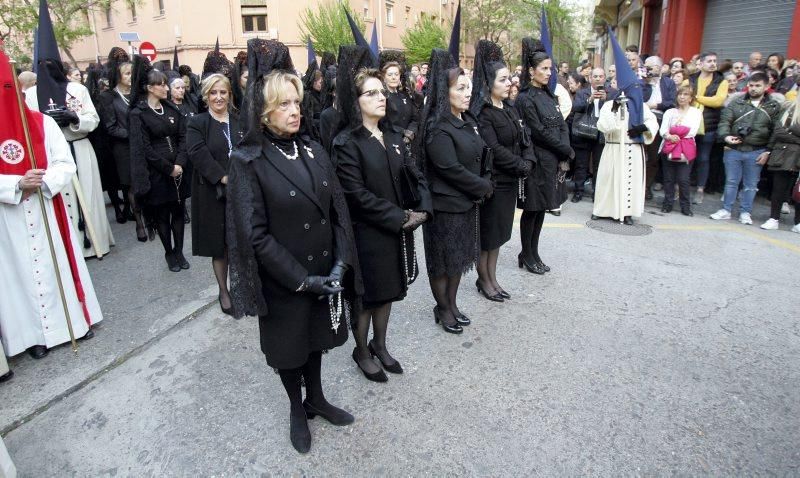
734 28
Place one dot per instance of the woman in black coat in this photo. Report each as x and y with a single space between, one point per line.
370 160
502 131
455 163
538 108
158 157
210 138
401 111
114 109
290 240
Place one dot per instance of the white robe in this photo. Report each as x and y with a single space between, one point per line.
3 363
31 312
620 176
79 101
7 468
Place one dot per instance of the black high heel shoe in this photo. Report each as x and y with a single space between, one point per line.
535 268
182 262
449 328
543 265
389 367
494 298
120 215
504 294
172 263
378 376
335 416
141 234
462 319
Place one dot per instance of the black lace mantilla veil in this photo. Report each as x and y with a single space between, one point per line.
116 57
398 57
217 62
488 59
352 58
531 47
265 56
437 98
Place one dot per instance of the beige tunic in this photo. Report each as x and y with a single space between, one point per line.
620 176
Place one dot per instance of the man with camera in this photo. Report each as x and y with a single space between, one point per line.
745 126
586 108
659 93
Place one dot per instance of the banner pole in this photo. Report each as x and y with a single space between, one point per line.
45 218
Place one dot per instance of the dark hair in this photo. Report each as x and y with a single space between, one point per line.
632 48
563 63
772 73
155 78
758 76
781 59
725 66
672 63
453 74
705 54
578 78
390 64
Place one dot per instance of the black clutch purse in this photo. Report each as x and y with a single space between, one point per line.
409 182
487 161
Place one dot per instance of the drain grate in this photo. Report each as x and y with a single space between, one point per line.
615 227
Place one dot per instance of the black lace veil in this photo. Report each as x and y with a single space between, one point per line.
488 60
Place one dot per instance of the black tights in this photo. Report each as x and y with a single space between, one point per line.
530 229
169 224
782 183
445 292
311 373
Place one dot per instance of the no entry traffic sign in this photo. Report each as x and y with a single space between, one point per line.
149 50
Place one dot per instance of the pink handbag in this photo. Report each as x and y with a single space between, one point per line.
685 148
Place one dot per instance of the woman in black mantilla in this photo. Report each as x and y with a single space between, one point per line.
330 120
401 111
210 139
290 239
114 109
502 131
538 108
453 157
371 160
158 157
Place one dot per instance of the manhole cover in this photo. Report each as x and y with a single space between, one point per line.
615 227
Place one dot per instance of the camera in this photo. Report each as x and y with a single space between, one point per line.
600 88
743 131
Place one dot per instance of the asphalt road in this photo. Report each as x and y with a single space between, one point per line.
672 353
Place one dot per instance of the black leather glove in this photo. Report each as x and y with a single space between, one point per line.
636 130
616 105
321 286
338 271
63 117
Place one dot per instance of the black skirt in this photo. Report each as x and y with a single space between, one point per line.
452 242
497 215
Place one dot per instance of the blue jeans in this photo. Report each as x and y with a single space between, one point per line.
741 166
705 144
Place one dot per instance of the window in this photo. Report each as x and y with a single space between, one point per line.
366 10
160 7
133 11
109 22
254 19
408 16
389 13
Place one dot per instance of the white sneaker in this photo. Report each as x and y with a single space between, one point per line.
721 214
785 208
745 218
796 228
771 225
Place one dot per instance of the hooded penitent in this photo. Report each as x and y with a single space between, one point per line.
51 79
488 59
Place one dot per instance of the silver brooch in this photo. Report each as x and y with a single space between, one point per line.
476 130
396 148
404 101
172 120
308 150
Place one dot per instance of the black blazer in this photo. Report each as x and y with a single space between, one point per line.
453 150
502 131
669 94
210 166
402 112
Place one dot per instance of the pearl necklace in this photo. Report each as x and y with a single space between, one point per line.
126 100
154 110
290 157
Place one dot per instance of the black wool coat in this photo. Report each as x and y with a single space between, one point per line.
207 149
539 111
453 164
401 111
502 131
113 112
370 176
296 232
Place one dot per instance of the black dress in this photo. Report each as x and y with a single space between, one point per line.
296 232
114 115
539 110
370 175
158 143
453 150
401 112
502 131
207 148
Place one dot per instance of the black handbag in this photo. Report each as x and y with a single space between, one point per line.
487 161
585 126
409 182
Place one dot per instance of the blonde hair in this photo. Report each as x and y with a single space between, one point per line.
274 85
208 83
793 109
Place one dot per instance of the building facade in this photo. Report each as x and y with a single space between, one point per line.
194 26
682 28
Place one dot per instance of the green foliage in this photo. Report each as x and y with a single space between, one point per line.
70 20
426 35
326 25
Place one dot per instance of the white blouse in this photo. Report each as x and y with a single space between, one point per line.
692 118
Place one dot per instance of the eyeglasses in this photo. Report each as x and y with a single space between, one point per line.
374 93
